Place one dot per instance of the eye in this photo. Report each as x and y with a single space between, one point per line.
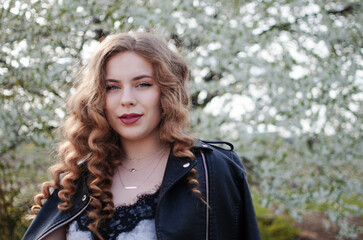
144 84
112 87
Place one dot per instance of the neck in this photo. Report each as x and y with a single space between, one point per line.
141 148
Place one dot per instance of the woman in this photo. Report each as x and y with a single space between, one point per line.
127 170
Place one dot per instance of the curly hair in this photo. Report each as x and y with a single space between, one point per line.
90 146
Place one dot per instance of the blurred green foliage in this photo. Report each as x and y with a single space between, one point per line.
11 214
277 228
21 172
272 226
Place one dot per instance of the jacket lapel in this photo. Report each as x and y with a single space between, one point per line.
178 167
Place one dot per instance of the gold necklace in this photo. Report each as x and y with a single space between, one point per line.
148 156
147 177
133 169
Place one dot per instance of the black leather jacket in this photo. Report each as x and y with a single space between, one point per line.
180 215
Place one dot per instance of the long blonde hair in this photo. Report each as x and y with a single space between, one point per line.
90 146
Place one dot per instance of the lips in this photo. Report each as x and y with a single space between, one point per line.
130 118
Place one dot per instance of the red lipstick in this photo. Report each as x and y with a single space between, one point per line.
130 118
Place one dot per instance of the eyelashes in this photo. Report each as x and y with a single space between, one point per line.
139 85
113 87
144 84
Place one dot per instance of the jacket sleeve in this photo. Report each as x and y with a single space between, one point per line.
50 217
248 219
232 214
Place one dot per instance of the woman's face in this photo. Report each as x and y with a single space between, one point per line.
132 97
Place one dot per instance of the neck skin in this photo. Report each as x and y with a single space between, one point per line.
141 148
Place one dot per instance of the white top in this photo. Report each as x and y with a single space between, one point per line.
129 222
145 229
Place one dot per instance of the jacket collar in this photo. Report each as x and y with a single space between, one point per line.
199 144
178 167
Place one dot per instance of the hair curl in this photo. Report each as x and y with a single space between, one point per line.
90 145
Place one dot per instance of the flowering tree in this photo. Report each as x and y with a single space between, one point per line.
282 80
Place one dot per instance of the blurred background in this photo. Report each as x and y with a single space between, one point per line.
281 80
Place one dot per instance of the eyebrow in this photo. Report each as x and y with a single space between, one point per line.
133 79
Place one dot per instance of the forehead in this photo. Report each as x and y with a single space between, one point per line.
127 65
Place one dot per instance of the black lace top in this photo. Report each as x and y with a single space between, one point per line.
128 222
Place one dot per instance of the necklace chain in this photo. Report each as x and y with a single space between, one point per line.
144 157
133 169
147 177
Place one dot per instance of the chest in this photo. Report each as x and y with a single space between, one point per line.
134 221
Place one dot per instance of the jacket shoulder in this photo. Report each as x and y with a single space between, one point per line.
198 143
220 144
220 154
50 217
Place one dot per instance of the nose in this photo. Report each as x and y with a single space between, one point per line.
128 98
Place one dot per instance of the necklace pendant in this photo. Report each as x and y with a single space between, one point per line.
131 188
132 170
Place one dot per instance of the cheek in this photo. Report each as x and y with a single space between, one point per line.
110 101
157 103
108 107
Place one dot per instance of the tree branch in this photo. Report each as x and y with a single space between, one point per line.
349 9
196 103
